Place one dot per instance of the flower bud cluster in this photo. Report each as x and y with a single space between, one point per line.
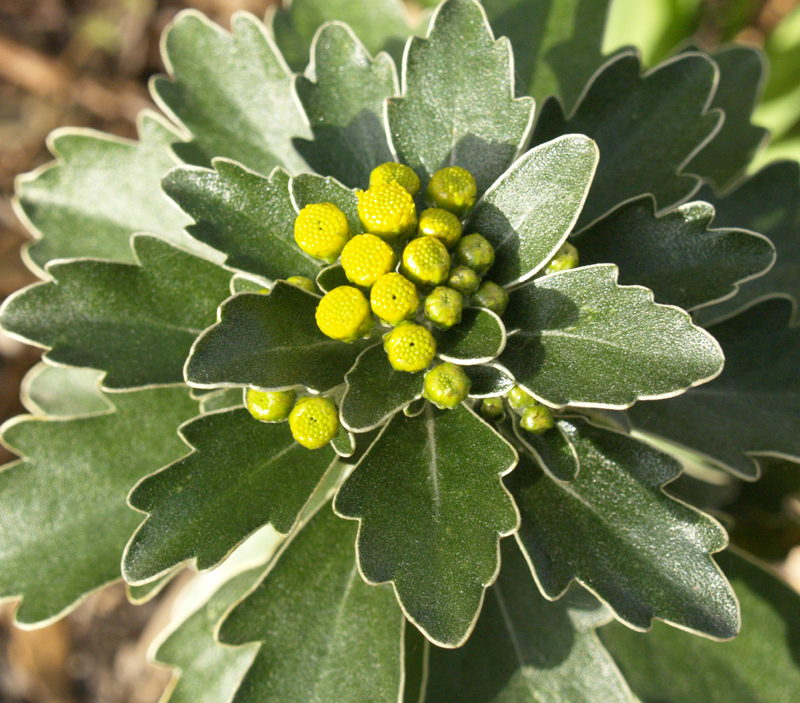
313 420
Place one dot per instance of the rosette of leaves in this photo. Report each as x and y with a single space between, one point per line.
428 554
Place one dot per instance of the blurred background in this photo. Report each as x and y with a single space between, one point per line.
85 63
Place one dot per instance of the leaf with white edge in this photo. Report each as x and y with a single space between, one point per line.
753 407
528 214
762 665
247 216
222 400
135 322
344 443
478 338
139 595
375 390
552 450
241 475
613 529
309 188
62 391
769 203
343 93
232 92
742 74
488 381
458 106
431 509
62 507
270 342
526 649
646 126
100 191
245 283
677 255
579 338
332 277
325 634
380 24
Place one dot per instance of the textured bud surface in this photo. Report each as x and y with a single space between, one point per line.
394 298
388 211
440 224
321 231
443 307
426 261
365 258
519 398
302 282
566 258
537 419
410 347
492 408
270 406
454 189
475 252
392 172
491 296
446 385
314 421
344 314
464 280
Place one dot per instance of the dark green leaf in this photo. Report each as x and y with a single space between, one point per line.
753 407
646 127
271 342
762 665
233 93
62 391
248 217
245 283
614 530
488 381
431 509
332 277
344 443
135 322
343 93
552 450
309 188
375 390
63 517
526 649
325 634
528 214
676 255
478 338
458 106
222 400
583 339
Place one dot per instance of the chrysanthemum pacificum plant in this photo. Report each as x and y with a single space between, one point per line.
406 550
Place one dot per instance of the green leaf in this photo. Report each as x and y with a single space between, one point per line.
526 649
582 339
768 203
62 507
241 475
646 127
478 338
245 283
135 322
380 24
325 634
100 191
552 451
431 509
343 93
225 399
233 93
644 554
270 342
332 277
488 381
556 43
759 666
309 188
62 391
375 391
676 255
344 443
753 407
458 106
742 72
528 214
248 217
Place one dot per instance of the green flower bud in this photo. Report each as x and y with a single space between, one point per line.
443 307
270 406
446 385
537 419
519 398
454 189
475 252
464 280
491 296
302 282
566 258
492 408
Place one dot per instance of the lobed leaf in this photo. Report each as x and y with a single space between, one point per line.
309 188
479 337
62 391
488 381
552 451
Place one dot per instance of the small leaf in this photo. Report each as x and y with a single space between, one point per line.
646 127
325 634
248 217
270 342
62 507
248 284
309 188
375 391
753 407
478 338
344 443
644 554
222 400
458 106
136 322
676 255
528 214
241 475
233 93
62 391
582 339
526 649
552 451
343 93
431 510
101 190
759 666
488 381
332 277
